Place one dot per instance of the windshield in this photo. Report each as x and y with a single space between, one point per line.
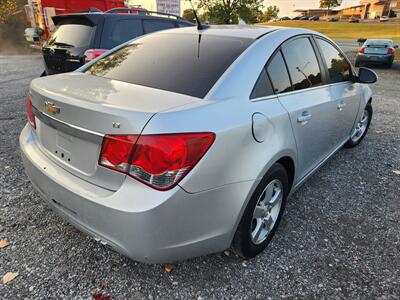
188 64
71 35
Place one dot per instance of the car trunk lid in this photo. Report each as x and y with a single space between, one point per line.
376 50
74 111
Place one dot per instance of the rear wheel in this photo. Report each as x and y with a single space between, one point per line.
361 128
389 65
262 214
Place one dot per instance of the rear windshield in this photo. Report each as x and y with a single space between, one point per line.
188 64
72 35
378 43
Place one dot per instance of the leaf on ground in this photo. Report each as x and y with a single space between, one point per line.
397 172
9 276
169 268
3 244
101 297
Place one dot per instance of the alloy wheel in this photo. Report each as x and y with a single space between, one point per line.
361 127
266 211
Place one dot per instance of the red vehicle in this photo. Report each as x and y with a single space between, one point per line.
39 13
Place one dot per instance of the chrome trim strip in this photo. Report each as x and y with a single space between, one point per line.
72 130
264 98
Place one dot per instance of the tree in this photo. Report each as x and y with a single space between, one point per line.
7 9
229 11
328 4
270 14
189 15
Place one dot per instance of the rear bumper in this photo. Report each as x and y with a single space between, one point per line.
144 224
375 59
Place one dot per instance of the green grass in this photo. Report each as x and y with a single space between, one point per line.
347 31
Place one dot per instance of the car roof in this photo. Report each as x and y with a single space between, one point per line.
238 31
98 14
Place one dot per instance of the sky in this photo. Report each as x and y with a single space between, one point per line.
287 7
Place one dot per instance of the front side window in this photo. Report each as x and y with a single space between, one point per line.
278 73
338 67
188 64
302 63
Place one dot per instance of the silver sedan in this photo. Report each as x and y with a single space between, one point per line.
188 142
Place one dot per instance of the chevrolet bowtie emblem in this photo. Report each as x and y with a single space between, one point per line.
51 108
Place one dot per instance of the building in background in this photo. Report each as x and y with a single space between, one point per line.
378 8
320 12
367 9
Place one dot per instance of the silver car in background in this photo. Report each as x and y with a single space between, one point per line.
376 52
188 142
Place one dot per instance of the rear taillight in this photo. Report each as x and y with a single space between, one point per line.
159 161
29 113
390 51
91 54
362 50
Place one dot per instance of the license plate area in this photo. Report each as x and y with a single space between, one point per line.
72 152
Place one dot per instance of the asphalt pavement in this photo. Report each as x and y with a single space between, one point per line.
339 237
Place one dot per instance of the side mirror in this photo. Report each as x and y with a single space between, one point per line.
366 76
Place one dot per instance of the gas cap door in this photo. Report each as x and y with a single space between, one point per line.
259 128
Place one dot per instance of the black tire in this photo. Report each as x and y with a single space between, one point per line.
389 65
43 74
242 243
351 143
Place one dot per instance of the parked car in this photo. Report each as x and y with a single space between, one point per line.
303 18
376 51
284 19
187 142
296 18
354 20
384 19
314 18
80 37
333 19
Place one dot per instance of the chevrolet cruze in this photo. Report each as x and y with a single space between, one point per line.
188 142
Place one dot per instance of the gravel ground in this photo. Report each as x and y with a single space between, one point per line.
339 238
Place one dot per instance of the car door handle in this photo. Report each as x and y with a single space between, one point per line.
341 105
304 117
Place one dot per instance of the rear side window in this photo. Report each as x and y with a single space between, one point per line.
338 67
302 64
188 64
182 24
262 87
72 35
156 25
125 30
278 73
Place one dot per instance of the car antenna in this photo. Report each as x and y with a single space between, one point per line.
199 25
